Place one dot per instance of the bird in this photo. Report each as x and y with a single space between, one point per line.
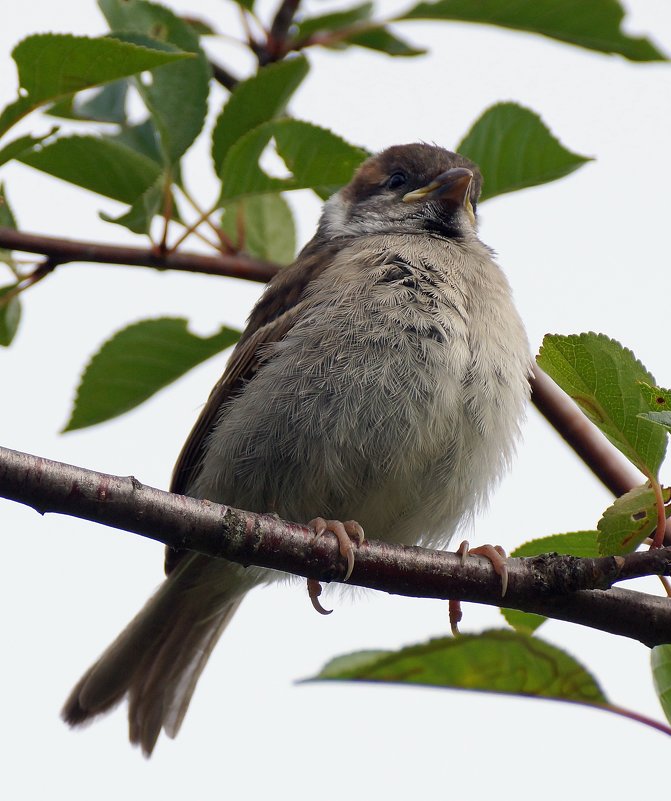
381 380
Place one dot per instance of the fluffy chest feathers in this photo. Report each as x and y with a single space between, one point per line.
394 399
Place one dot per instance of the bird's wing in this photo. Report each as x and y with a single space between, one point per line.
273 316
242 366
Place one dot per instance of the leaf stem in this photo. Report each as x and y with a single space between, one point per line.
40 272
227 246
628 713
658 539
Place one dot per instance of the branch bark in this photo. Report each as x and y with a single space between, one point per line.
584 437
562 587
223 76
279 30
63 251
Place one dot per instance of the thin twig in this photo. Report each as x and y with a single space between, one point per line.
223 76
41 271
192 229
167 212
225 243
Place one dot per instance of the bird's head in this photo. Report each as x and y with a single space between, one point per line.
407 189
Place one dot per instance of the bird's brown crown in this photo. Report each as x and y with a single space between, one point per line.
420 162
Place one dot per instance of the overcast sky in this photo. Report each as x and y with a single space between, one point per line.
586 253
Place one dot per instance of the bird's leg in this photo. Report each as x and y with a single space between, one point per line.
495 554
345 532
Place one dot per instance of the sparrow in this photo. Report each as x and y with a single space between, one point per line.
382 378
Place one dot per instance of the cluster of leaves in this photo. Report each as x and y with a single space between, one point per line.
156 55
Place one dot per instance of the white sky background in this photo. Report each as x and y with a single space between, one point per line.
587 253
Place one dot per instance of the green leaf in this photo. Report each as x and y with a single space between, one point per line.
10 311
53 66
574 543
105 105
97 164
629 520
177 94
603 378
307 149
660 660
514 149
495 661
143 138
267 224
384 41
340 665
7 220
659 401
340 28
138 361
336 21
595 25
657 398
659 418
17 147
139 216
316 157
523 622
260 98
199 26
10 316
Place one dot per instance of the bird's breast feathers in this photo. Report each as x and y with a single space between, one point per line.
398 391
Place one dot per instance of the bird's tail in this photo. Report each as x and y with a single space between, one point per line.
160 655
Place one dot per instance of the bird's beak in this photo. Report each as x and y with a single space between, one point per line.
454 185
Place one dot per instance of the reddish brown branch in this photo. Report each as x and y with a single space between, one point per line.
276 44
63 251
585 438
562 587
223 76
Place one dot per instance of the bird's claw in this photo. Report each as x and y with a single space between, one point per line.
496 555
454 606
345 533
314 591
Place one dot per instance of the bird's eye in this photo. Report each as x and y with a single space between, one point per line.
397 180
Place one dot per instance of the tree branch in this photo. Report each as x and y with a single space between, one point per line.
602 458
62 251
275 47
563 587
223 76
584 437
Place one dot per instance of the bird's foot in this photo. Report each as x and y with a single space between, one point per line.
496 555
345 532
